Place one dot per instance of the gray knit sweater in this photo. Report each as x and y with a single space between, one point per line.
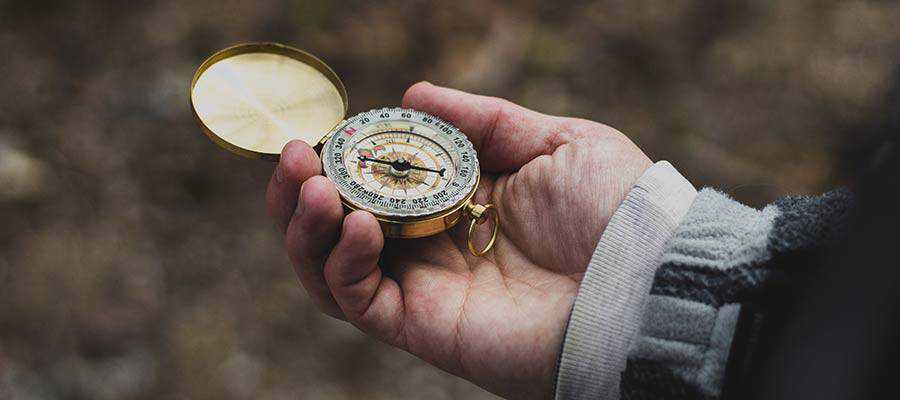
668 306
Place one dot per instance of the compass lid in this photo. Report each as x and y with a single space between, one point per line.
253 98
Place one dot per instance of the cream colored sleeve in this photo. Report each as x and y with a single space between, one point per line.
615 288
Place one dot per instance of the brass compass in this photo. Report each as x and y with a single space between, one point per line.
416 173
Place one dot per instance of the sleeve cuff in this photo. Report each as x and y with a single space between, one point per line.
607 313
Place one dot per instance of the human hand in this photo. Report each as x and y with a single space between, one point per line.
498 320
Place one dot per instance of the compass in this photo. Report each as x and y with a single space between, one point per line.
416 173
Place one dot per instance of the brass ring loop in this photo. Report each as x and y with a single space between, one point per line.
479 221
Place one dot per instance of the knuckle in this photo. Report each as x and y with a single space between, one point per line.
506 116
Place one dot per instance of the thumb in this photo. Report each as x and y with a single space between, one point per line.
505 134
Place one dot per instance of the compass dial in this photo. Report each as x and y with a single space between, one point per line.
400 163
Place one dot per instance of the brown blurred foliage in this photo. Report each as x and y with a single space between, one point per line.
136 258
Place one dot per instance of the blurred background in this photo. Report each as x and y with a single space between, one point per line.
137 260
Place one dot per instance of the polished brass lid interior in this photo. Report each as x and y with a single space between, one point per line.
253 98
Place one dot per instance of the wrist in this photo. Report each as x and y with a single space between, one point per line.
607 310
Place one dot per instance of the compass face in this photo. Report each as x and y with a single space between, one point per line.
398 162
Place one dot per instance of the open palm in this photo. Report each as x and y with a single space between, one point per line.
496 320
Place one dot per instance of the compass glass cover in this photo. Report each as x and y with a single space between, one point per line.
401 163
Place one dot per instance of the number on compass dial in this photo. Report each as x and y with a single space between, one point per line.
399 162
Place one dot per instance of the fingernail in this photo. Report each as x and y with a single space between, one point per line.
298 211
279 174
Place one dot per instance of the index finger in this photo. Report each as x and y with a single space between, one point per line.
508 135
298 163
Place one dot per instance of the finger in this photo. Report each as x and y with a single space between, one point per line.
311 234
298 163
370 300
505 134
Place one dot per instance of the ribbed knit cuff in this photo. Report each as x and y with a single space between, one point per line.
607 312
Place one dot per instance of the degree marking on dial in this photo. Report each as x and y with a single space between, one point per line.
437 150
